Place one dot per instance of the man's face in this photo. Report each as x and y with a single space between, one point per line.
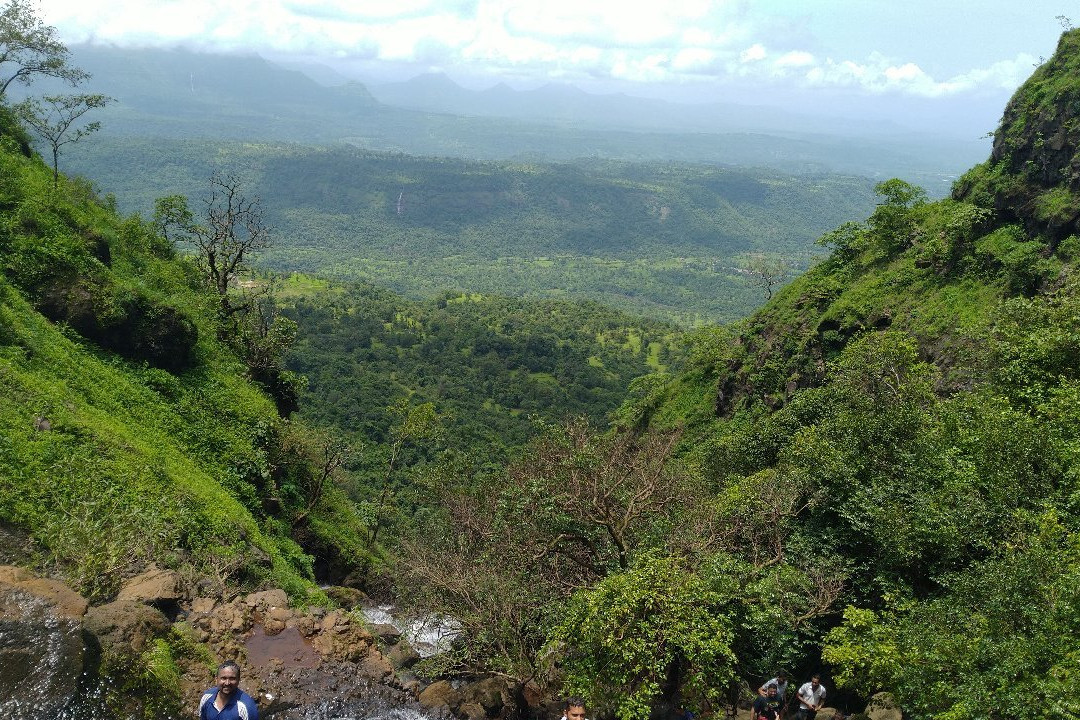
228 679
814 683
771 691
575 712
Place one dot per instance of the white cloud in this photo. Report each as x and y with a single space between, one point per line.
793 59
753 53
879 74
675 41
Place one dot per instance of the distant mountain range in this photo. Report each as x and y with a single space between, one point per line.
563 103
180 93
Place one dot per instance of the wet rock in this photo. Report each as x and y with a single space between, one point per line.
41 646
66 603
440 694
154 587
386 633
883 706
125 626
346 597
403 655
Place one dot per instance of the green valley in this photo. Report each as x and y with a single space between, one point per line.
668 241
348 379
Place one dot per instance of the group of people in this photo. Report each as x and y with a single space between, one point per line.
226 701
772 701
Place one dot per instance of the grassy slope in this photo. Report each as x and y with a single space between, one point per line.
108 462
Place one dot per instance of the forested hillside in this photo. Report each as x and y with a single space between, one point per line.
490 367
874 475
668 241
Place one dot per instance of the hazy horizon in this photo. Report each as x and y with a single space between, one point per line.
927 66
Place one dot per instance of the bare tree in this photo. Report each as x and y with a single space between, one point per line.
29 47
54 117
233 228
767 270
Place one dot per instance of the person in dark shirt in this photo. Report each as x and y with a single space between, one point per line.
767 707
227 701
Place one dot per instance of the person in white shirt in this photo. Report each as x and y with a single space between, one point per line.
811 697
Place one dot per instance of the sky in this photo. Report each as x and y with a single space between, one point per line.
936 57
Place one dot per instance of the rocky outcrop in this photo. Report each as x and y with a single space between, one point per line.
161 588
125 627
1033 175
302 655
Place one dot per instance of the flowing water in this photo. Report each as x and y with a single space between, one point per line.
43 661
427 635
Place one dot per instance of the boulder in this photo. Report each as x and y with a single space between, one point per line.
276 619
154 587
491 693
882 706
125 626
440 694
376 666
386 632
472 711
403 655
266 599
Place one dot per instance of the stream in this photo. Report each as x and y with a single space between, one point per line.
43 657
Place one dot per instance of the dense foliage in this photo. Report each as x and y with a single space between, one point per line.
877 472
490 366
664 240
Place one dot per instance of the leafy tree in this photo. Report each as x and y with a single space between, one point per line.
29 47
629 638
894 221
172 215
999 642
845 241
413 423
54 121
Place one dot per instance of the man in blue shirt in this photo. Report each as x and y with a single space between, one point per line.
227 701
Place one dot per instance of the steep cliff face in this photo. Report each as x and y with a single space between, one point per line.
1033 174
